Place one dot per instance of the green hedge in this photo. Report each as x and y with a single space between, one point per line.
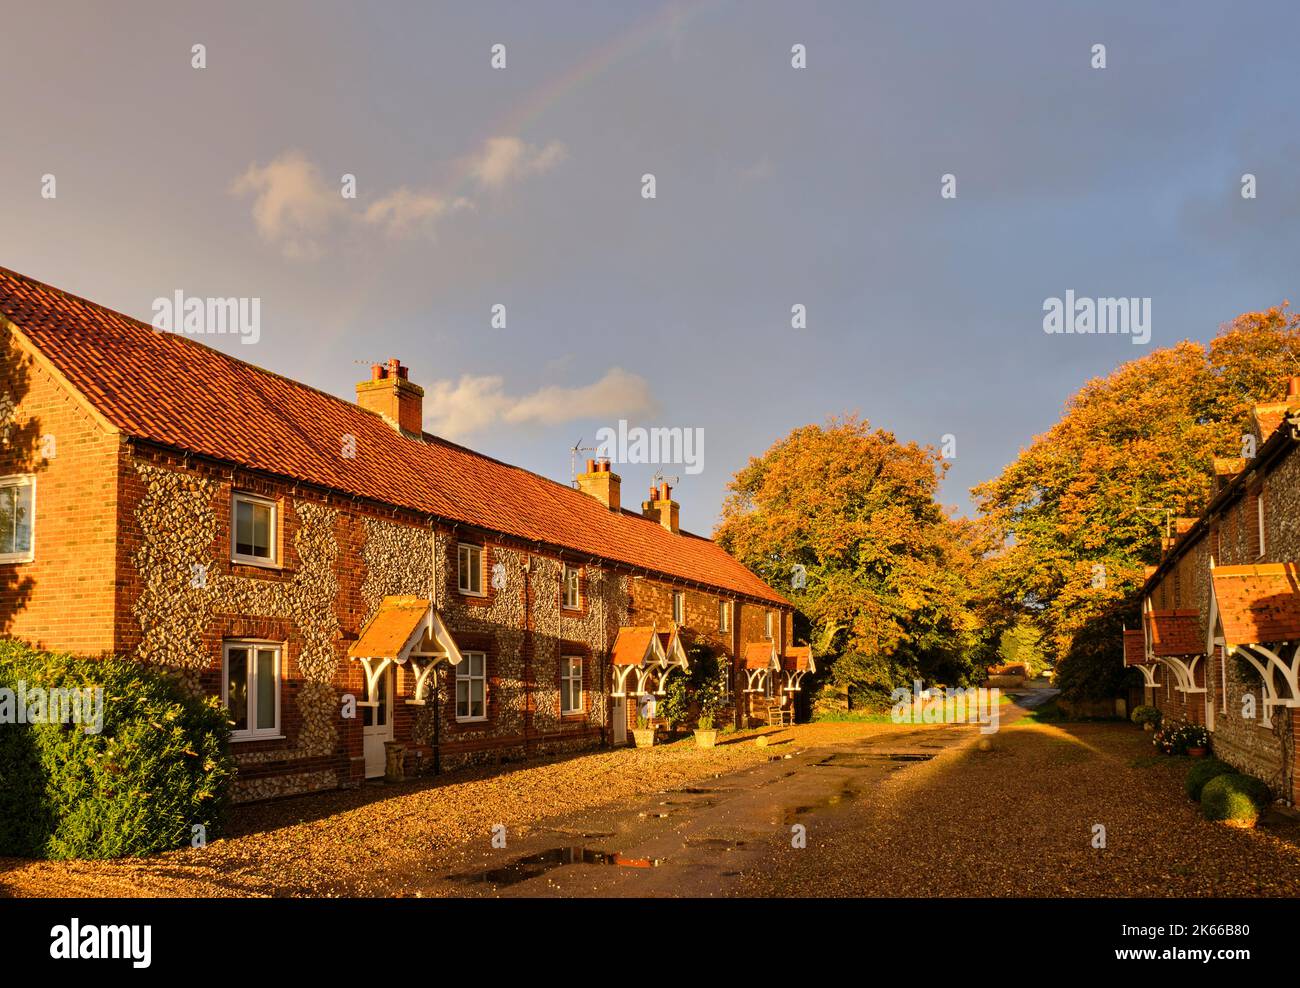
159 766
1234 797
1201 772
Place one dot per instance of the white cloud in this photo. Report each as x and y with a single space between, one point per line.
293 206
474 403
504 160
404 211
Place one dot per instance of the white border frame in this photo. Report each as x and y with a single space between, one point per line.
482 566
564 587
582 690
19 480
455 700
238 557
253 734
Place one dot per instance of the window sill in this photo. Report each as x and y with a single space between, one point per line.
471 720
256 563
236 738
17 560
471 593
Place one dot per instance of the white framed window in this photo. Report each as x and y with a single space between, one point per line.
724 615
572 588
471 687
679 607
250 688
470 569
768 624
1259 519
571 685
253 524
17 519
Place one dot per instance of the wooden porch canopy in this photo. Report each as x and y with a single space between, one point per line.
761 661
404 629
796 662
645 656
1175 641
1255 614
1135 655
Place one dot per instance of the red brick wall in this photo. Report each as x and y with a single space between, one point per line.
62 599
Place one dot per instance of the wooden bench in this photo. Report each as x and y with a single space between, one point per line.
780 716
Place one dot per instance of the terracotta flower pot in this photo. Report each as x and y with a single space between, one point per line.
643 736
706 739
1196 752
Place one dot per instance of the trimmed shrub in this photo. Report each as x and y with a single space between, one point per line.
1238 798
158 765
1145 715
1201 772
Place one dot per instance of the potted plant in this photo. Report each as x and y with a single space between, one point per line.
1197 740
1147 717
643 734
705 735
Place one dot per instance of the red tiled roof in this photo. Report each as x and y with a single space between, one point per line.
391 629
1258 604
798 658
1269 416
631 646
1176 632
758 655
1135 647
171 390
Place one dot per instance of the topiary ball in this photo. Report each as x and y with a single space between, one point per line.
1202 772
1235 798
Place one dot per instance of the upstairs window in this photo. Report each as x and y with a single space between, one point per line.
679 607
470 569
724 615
253 529
767 625
17 503
572 588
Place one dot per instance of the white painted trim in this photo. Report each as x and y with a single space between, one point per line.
582 692
236 496
253 645
22 480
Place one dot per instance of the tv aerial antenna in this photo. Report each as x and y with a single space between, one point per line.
574 450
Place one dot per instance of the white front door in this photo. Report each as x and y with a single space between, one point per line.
618 707
377 724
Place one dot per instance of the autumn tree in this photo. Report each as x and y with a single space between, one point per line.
1083 508
845 519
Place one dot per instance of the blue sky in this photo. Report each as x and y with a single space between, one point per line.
775 187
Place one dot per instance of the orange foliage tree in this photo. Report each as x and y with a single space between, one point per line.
1083 507
888 573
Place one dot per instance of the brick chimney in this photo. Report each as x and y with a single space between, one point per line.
389 393
662 508
602 484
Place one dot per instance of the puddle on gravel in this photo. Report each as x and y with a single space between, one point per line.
535 865
865 759
714 843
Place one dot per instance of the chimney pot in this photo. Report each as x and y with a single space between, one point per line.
1293 388
390 393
